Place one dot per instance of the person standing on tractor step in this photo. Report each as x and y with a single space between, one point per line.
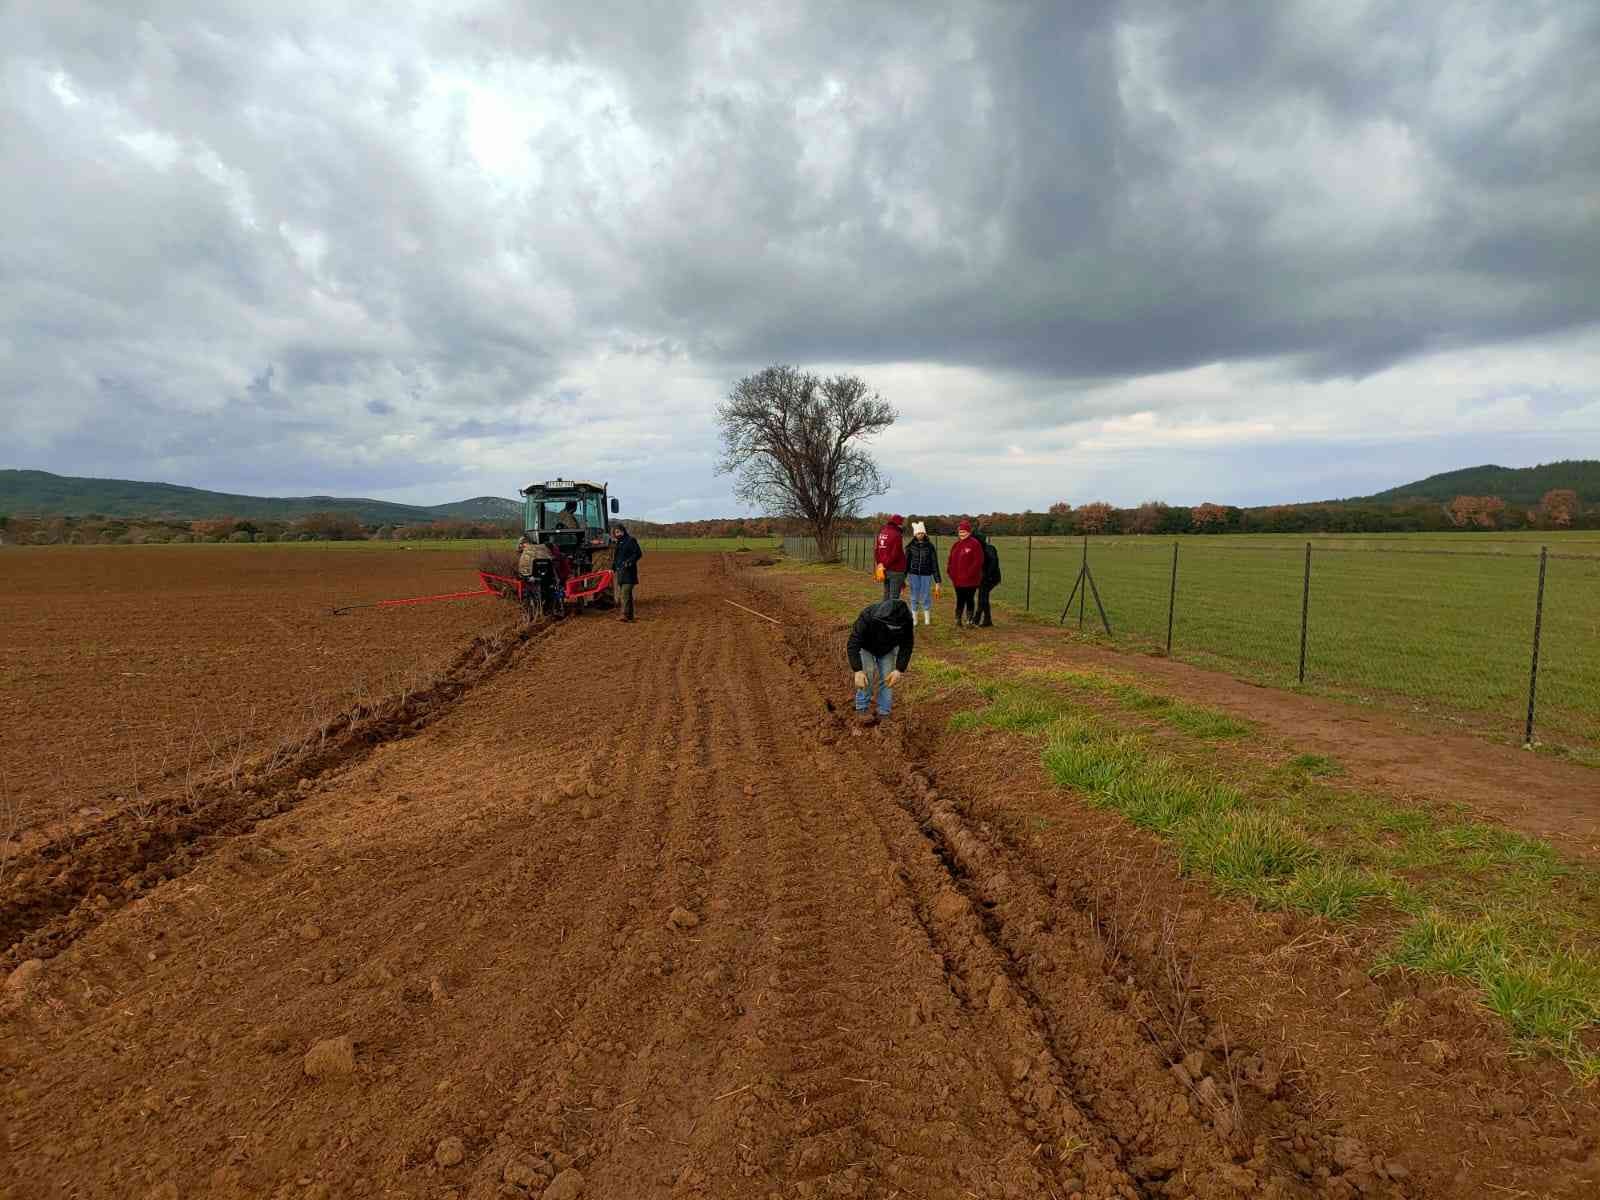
625 557
965 568
991 579
922 572
891 557
879 648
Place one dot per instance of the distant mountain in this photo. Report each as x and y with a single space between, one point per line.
43 493
1514 485
480 508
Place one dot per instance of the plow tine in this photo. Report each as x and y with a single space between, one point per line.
487 587
340 609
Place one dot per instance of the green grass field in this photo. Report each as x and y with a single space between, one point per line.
1434 623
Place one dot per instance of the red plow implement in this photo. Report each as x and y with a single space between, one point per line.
578 587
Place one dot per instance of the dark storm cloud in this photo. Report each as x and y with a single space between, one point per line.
367 246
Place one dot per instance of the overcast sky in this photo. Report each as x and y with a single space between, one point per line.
1224 251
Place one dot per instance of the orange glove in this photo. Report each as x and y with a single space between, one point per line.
877 573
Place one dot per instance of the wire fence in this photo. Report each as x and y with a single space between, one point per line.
1428 628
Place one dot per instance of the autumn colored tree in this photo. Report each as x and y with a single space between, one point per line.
1095 517
1558 508
1478 512
330 527
1208 517
1149 517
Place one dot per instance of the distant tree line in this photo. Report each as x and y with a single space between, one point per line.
1558 509
95 530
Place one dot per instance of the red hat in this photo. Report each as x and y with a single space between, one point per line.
897 519
964 524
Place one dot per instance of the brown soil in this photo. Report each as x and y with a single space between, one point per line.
126 669
641 914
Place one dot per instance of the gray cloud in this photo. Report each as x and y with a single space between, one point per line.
447 246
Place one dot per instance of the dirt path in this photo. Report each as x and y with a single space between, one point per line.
640 907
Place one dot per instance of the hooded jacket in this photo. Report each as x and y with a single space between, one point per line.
922 558
891 551
965 565
882 627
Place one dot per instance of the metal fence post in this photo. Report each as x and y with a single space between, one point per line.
1172 597
1083 574
1533 671
1027 596
1305 610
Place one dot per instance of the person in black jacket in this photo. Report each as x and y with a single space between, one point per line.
625 556
991 580
922 572
880 651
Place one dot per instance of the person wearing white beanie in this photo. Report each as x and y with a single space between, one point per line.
922 572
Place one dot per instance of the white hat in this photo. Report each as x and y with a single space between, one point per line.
918 527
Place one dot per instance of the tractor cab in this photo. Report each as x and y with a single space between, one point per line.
571 516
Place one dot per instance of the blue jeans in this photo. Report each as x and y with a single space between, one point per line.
921 591
877 668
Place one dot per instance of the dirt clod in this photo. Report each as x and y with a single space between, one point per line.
449 1152
682 918
26 975
566 1186
521 1173
1434 1053
330 1058
949 905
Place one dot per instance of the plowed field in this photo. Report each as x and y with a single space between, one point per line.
126 671
633 911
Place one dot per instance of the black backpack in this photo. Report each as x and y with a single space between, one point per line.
991 565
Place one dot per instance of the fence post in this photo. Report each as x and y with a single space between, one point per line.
1172 597
1027 596
1084 595
1305 610
1533 671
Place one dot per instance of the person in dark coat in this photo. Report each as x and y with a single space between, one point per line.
922 572
625 555
890 554
879 649
965 569
991 579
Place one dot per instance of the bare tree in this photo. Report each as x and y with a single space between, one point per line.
793 440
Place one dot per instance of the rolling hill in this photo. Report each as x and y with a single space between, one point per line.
1514 485
44 493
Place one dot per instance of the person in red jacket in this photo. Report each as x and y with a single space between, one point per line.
965 569
891 556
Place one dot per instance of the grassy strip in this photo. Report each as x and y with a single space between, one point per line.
1477 902
1209 724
